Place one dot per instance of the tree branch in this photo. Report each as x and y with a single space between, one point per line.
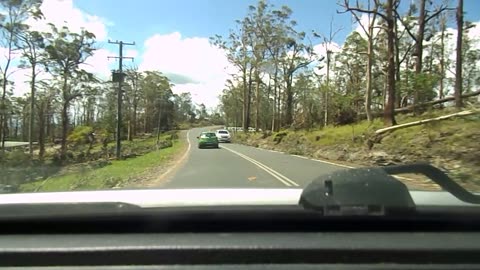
436 13
424 121
348 8
361 25
405 26
406 54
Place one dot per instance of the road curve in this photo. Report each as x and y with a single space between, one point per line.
240 166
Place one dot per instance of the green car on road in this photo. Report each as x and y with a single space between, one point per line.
207 139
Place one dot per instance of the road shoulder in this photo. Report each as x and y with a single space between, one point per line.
159 175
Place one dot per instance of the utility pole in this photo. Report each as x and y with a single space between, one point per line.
118 77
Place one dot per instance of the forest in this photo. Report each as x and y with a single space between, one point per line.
72 99
403 57
69 113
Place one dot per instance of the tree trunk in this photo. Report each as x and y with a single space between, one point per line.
289 102
3 108
245 102
63 149
442 57
32 111
274 107
389 113
407 82
279 109
249 98
135 106
327 89
459 65
368 92
16 127
419 51
49 122
257 104
3 112
398 65
267 106
41 131
66 101
133 122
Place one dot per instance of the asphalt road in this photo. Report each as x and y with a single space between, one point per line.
240 166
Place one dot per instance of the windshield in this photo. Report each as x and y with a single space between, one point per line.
258 94
208 135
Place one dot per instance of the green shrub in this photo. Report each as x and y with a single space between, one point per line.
278 137
79 135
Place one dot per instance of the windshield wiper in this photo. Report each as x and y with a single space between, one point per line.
374 191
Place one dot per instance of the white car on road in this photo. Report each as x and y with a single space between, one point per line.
223 135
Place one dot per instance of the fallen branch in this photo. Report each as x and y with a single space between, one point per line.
421 122
435 102
422 105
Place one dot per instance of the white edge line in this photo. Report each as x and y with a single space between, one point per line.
332 163
300 157
285 180
346 166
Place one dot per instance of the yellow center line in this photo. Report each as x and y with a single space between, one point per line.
280 177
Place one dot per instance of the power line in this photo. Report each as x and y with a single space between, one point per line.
117 76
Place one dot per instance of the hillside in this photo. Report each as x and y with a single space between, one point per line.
452 145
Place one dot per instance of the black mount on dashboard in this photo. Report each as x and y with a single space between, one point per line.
373 191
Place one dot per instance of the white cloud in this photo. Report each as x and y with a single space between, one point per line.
202 92
131 53
64 13
98 63
192 57
474 32
21 79
321 51
365 20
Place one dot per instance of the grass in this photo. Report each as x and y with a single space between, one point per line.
347 134
439 138
118 173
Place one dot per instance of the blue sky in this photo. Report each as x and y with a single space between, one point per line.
140 19
172 36
137 20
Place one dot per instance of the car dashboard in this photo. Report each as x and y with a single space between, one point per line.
280 237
